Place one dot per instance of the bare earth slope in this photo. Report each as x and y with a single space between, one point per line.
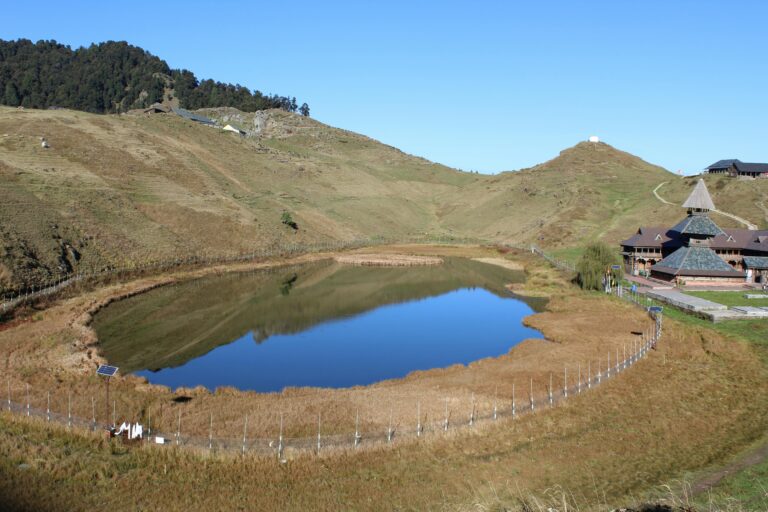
116 190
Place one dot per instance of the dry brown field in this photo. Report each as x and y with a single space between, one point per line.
693 403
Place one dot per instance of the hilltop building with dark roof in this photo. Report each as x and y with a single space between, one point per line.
734 167
696 250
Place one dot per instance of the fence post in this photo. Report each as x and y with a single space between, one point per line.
530 395
418 418
69 409
178 430
514 408
318 433
27 399
565 382
48 409
389 429
472 414
549 391
245 430
93 412
578 386
210 435
358 437
280 440
599 374
495 397
149 420
445 422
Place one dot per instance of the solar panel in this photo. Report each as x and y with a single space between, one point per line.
106 370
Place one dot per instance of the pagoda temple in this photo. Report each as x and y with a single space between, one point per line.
696 250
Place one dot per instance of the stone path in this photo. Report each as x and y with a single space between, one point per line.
711 310
683 301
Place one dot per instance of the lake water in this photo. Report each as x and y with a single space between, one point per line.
322 324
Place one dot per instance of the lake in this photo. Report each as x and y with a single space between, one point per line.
322 324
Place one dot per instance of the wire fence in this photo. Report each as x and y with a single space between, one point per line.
526 400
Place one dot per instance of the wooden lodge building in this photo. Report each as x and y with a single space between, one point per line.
737 168
696 250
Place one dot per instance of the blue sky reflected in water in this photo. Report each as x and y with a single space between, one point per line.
388 342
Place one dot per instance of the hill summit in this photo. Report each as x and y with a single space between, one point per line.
113 190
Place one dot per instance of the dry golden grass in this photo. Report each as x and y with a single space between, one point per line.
387 260
690 404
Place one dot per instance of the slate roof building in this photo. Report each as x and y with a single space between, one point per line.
696 250
735 167
186 114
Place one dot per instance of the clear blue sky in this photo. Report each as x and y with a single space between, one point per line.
485 86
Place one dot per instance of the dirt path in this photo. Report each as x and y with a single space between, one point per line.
745 461
741 220
656 192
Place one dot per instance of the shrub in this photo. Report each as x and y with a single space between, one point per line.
286 219
595 263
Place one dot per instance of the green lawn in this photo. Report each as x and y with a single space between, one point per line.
731 298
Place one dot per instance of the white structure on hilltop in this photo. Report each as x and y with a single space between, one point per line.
594 138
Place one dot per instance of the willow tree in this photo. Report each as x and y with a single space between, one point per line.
597 262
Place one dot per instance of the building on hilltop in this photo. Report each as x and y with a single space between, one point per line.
696 250
734 167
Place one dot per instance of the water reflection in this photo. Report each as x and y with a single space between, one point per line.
322 324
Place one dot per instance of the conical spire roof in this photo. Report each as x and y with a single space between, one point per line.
699 198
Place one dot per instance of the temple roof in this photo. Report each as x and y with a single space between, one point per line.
699 198
695 261
697 224
760 262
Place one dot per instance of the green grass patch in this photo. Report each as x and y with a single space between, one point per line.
569 254
731 299
748 488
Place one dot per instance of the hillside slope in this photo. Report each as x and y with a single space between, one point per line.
588 191
112 190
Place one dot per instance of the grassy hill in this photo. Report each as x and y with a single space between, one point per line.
118 189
